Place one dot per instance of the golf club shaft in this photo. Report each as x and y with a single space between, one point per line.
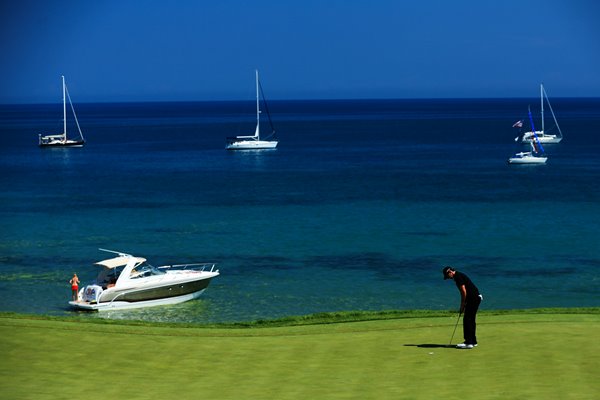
453 332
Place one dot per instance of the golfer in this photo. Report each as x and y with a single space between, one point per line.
469 304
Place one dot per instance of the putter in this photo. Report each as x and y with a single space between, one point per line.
453 332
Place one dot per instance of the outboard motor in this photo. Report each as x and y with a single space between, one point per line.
91 293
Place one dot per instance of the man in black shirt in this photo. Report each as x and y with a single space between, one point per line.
470 298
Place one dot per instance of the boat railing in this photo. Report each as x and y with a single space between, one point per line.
194 267
116 297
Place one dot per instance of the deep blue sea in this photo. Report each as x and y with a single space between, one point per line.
358 209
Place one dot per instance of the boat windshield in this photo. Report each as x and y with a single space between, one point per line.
145 270
108 276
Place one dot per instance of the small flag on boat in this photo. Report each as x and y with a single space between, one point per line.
518 124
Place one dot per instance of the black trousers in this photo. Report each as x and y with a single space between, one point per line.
469 324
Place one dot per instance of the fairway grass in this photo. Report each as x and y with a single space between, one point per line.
520 356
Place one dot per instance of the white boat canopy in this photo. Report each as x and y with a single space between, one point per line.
120 261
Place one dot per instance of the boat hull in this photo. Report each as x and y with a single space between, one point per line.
252 145
125 305
172 289
541 137
527 160
68 143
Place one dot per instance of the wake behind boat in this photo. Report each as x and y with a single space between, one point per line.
544 136
128 282
254 142
62 140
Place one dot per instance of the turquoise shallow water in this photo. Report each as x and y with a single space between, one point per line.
359 208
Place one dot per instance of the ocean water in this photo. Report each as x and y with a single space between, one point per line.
358 209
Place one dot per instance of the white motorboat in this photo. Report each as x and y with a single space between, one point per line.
543 136
254 142
128 282
62 140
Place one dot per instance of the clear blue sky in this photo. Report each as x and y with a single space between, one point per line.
125 50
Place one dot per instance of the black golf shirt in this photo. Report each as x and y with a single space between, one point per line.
462 279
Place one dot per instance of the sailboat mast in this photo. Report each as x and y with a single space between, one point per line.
553 116
535 142
542 104
257 134
64 109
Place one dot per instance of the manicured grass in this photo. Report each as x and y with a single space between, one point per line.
541 354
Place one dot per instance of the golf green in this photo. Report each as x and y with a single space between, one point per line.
520 356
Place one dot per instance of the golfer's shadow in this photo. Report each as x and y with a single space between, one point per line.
433 345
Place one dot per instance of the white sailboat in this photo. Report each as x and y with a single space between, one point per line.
528 157
254 142
536 155
543 136
62 140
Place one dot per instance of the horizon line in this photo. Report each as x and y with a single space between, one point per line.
332 99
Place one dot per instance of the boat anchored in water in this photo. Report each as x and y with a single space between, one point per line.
543 136
536 155
128 282
62 140
527 157
254 142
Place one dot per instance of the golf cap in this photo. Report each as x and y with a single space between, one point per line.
445 272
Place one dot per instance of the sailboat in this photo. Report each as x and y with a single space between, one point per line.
536 155
543 136
254 142
62 140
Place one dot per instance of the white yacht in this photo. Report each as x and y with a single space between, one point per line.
254 142
127 281
62 140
